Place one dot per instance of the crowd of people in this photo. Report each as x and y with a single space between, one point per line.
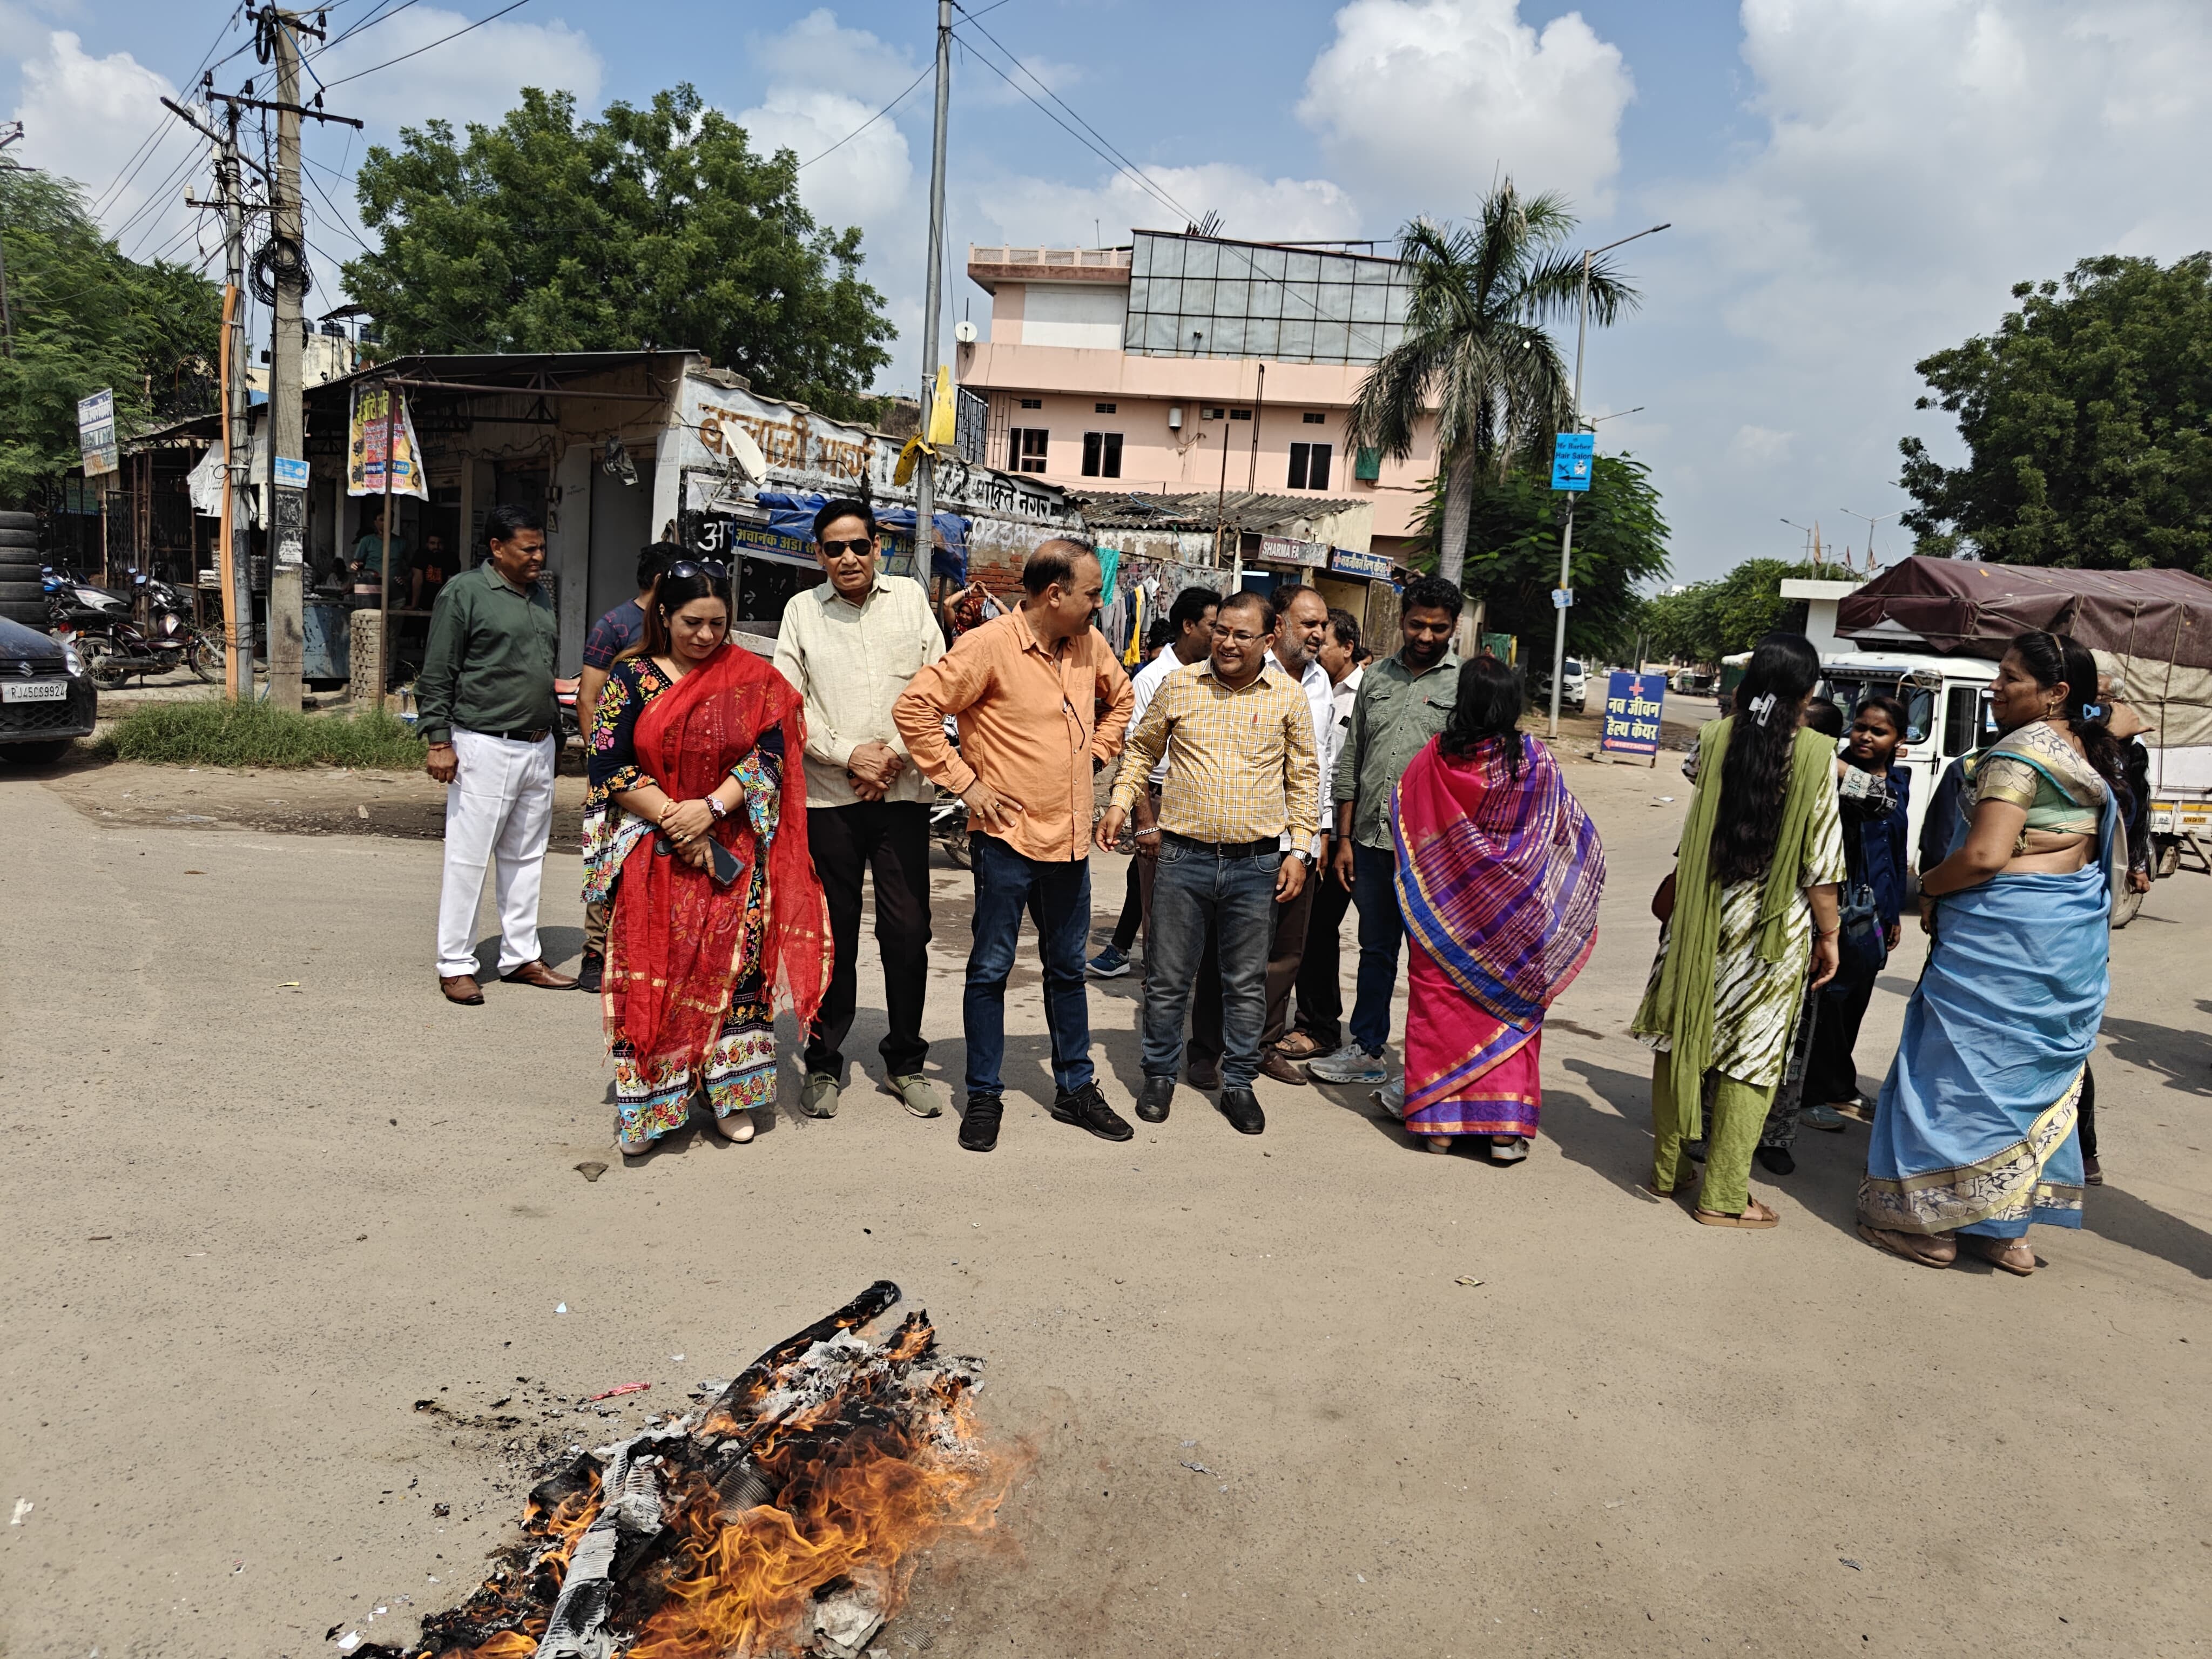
1270 774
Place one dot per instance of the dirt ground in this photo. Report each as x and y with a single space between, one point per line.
268 1194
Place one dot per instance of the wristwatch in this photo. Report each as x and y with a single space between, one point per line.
714 805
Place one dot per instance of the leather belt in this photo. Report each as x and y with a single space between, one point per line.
1228 849
539 735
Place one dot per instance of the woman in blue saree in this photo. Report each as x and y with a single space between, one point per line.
1975 1134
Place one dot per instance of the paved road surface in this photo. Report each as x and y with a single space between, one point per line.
267 1193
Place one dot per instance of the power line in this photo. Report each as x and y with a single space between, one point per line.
1118 165
1013 58
871 121
383 13
161 128
516 5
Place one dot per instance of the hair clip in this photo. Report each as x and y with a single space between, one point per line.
2093 711
1762 706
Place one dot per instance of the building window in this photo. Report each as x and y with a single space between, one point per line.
1310 466
1104 408
1312 419
1032 403
1025 449
1213 412
1240 413
1102 454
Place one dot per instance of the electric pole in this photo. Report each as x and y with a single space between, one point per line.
288 417
925 471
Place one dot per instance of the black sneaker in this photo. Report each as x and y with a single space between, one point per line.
1776 1160
591 972
1086 1109
979 1123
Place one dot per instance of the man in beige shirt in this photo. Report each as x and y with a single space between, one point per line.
1242 776
850 647
1040 703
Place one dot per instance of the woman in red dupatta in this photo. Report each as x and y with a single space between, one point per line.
689 751
1499 873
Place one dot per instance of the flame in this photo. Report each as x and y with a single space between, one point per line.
864 1516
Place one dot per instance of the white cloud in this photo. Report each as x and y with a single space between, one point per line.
474 78
84 117
859 180
1028 209
1426 102
1919 157
818 51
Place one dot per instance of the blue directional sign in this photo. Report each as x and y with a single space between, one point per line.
1571 459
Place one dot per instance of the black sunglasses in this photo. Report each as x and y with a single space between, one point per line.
714 569
838 550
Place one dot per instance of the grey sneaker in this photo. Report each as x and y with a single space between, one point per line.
917 1093
1350 1064
818 1096
1823 1117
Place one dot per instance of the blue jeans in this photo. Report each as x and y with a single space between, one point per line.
1374 890
1235 896
1057 897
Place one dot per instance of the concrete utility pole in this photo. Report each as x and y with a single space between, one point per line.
288 415
1567 532
925 471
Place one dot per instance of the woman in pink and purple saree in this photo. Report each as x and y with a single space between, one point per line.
1499 873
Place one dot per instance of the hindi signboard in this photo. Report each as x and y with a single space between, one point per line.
1367 567
1632 706
95 433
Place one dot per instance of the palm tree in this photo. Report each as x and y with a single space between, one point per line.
1475 350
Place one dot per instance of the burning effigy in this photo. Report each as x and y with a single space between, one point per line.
784 1515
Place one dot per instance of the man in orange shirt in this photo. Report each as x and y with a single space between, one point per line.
1026 691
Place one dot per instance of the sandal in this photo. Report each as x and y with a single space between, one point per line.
1438 1143
630 1148
1940 1250
1508 1149
1755 1215
2015 1255
1299 1045
738 1127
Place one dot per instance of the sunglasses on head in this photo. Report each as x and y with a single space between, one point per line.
713 569
838 549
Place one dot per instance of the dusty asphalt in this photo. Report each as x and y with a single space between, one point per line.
267 1192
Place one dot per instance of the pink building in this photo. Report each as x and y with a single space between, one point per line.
1185 364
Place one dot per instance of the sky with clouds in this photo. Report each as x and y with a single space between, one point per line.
1851 184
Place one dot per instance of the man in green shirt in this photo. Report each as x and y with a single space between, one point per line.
368 562
1403 701
484 701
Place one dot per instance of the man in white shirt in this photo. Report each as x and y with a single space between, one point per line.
1301 630
1191 615
850 647
1320 1025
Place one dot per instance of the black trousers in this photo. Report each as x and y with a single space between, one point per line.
1833 1073
1321 999
1133 909
892 839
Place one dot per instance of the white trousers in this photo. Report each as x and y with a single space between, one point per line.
498 807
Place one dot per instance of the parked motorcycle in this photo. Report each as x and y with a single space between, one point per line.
114 645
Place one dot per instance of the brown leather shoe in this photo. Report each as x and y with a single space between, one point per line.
537 973
461 988
1273 1065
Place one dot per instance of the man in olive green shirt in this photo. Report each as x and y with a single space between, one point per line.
484 701
1403 701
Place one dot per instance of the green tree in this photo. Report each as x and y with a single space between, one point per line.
1513 554
1475 350
657 226
86 317
2085 420
1709 620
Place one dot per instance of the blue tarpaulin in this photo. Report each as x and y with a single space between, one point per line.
794 515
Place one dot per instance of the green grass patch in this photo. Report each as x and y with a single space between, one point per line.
254 734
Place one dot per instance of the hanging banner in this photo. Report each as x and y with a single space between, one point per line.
379 416
1633 706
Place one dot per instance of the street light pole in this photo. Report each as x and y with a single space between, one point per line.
1567 531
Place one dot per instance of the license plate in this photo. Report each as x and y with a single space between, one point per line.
35 691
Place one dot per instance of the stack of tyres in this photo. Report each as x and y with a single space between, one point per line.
22 598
